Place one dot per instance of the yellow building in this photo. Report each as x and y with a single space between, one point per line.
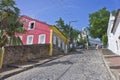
58 41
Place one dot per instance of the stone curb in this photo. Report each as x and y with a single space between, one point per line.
108 68
21 69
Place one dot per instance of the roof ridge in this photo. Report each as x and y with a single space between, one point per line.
34 19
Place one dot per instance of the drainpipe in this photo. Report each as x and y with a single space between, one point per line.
1 56
51 44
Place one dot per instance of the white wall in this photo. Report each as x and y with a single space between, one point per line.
113 39
117 34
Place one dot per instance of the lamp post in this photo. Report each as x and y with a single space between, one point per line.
70 32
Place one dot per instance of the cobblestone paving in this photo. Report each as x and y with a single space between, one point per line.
87 65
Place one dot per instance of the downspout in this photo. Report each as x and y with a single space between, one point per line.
51 44
1 56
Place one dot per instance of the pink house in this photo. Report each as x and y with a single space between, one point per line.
41 33
37 32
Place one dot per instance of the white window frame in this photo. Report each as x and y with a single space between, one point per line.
28 39
54 39
63 45
59 42
29 26
39 39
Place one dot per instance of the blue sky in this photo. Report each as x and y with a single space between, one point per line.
49 11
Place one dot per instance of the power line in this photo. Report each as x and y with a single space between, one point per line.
60 4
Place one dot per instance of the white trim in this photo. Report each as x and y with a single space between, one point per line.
30 25
44 39
28 39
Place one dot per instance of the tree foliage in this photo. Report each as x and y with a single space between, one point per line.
9 23
98 23
74 33
114 12
63 27
67 30
105 40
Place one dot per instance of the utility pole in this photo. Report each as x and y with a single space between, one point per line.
70 32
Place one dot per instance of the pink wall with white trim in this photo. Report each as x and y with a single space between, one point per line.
40 28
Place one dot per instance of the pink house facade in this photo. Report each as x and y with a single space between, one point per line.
37 32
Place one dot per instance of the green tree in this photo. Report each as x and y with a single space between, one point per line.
98 23
63 27
67 30
105 40
114 12
9 23
74 34
60 24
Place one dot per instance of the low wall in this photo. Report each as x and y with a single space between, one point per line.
14 54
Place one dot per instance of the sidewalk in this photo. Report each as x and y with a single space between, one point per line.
113 62
12 69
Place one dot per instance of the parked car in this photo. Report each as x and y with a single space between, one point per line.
80 47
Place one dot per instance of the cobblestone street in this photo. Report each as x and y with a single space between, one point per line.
86 65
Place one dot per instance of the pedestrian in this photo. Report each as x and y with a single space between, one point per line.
97 46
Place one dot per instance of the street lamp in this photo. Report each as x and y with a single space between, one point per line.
70 26
70 31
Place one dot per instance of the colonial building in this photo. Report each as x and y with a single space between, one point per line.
113 33
41 33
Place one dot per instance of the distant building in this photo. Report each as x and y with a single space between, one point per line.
84 33
41 33
113 33
84 36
